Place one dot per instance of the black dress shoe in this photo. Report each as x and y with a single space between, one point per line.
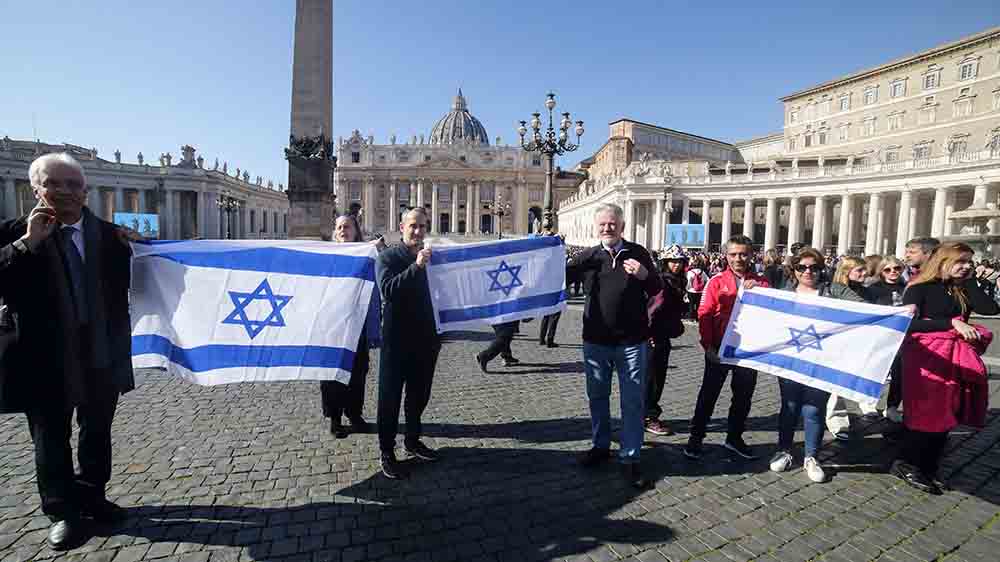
552 344
65 534
593 457
914 477
633 475
482 362
510 361
391 467
359 425
103 511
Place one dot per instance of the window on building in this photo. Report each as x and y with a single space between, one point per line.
962 106
355 193
462 158
845 102
932 77
994 144
427 158
967 70
868 127
871 95
793 116
791 143
895 122
996 99
404 157
921 151
958 145
897 89
355 157
825 106
263 221
891 155
807 140
381 158
844 132
536 161
822 137
811 111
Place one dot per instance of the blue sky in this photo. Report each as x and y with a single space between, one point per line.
151 76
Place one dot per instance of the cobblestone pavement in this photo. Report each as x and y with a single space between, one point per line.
250 472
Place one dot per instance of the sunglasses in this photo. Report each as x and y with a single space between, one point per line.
895 268
804 268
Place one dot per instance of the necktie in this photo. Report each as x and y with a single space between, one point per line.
74 266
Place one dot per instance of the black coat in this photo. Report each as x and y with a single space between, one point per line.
407 314
46 358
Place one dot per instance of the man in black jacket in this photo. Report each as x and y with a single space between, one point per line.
65 273
410 342
615 333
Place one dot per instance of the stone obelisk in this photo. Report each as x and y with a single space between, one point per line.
310 155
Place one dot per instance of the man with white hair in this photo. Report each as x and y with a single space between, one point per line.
615 334
65 275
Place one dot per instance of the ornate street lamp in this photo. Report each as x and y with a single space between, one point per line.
549 143
229 205
499 208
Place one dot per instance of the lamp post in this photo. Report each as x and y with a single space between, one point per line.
499 208
549 144
229 205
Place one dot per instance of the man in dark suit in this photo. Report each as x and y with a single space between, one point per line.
65 274
410 342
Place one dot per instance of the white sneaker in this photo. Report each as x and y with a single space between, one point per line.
781 461
893 415
813 470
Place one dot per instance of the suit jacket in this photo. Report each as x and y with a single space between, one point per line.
407 317
48 358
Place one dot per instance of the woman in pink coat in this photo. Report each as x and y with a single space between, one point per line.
944 377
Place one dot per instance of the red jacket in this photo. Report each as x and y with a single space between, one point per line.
717 304
945 380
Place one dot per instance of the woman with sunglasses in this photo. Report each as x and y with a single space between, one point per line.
797 399
888 291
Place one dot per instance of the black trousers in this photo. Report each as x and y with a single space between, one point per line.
742 384
694 300
339 398
895 397
923 450
503 334
547 331
62 491
656 377
414 370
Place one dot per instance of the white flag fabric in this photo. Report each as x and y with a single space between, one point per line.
843 347
495 282
226 311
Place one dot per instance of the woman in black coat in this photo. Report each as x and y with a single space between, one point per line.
665 310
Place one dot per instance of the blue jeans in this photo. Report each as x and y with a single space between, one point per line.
630 362
798 399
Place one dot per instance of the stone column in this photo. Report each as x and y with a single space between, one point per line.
392 208
685 211
794 222
979 196
748 218
727 220
993 225
369 205
9 199
199 214
706 206
884 213
119 201
469 205
476 209
211 216
903 224
819 213
911 223
658 241
949 208
413 194
420 193
453 219
771 224
435 191
844 229
108 204
937 221
522 208
873 235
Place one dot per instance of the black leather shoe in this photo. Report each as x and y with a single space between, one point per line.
510 361
421 451
633 475
552 344
914 477
103 511
391 467
482 362
65 534
593 457
359 425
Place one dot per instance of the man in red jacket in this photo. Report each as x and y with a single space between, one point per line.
713 316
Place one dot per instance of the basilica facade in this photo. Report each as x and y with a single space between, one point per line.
468 185
863 163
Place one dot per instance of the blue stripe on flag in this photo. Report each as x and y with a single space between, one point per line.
826 314
506 307
809 369
444 255
210 357
279 260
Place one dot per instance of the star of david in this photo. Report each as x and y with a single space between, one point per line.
513 271
806 339
263 292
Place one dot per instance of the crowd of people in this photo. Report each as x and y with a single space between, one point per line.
64 275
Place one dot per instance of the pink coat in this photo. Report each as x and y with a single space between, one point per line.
944 380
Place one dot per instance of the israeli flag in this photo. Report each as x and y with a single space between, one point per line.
495 282
843 347
225 311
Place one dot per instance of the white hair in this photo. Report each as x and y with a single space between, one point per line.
612 208
39 164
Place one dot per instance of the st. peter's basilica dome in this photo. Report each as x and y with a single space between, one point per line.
459 126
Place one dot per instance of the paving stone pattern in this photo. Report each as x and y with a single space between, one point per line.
250 472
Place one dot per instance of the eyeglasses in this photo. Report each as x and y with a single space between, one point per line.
815 268
894 268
